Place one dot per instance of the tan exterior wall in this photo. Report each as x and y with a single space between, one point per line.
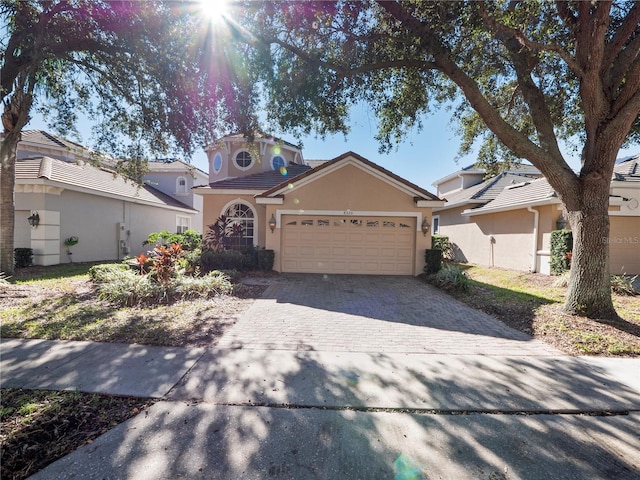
624 245
215 205
449 185
348 191
262 162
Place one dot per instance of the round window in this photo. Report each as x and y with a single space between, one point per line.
243 160
217 163
278 162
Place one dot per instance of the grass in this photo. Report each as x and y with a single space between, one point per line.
532 304
37 427
60 302
65 305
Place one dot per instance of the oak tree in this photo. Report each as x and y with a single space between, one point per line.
524 76
148 75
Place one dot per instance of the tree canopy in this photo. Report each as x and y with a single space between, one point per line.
524 76
153 77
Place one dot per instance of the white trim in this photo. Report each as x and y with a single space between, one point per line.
516 206
253 210
269 200
186 185
188 219
350 213
433 221
235 163
430 203
207 190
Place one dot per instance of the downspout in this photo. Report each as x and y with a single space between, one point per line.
534 253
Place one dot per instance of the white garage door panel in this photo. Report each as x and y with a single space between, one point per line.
367 245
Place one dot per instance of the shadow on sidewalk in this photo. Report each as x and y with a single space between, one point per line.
304 419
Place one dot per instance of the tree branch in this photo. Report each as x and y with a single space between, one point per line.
530 44
555 169
624 33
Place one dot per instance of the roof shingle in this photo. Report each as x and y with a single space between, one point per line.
88 177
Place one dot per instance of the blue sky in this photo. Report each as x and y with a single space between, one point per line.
422 158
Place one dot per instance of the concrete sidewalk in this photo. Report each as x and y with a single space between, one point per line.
326 379
253 414
349 378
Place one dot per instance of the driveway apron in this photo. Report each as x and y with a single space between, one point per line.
357 313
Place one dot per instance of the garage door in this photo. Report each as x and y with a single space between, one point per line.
357 245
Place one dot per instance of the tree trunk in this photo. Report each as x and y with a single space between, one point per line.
589 291
8 155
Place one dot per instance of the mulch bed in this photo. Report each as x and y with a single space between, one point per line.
37 427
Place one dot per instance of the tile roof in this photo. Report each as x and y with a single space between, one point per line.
310 172
257 136
483 192
46 139
315 163
171 165
533 192
627 168
260 181
87 177
522 168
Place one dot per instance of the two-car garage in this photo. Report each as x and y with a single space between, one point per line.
348 244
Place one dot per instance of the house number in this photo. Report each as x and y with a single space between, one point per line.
348 212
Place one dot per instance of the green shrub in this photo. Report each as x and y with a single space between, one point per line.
265 259
189 240
452 278
126 287
214 283
245 260
442 243
23 257
561 248
433 261
102 272
623 284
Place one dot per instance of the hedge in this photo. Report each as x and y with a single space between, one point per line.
433 260
561 248
23 257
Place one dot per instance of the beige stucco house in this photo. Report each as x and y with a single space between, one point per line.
346 215
109 215
506 221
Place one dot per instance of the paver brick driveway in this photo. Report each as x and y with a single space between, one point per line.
358 313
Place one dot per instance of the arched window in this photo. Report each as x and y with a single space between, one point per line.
181 185
241 214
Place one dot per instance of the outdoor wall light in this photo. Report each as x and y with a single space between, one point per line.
272 223
425 227
561 223
34 219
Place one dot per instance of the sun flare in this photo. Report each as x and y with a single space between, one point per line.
214 10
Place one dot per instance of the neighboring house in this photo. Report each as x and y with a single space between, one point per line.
513 229
110 215
347 215
177 178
